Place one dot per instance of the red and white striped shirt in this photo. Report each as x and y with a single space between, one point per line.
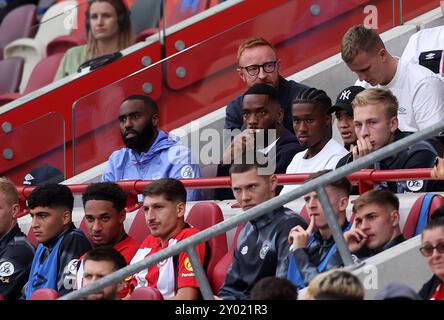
163 275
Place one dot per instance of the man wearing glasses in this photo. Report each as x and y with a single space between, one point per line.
257 63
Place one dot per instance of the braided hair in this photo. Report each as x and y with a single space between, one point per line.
315 97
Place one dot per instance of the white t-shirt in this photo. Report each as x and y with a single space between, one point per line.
430 41
327 158
420 94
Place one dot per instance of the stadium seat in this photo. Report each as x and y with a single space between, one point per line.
43 6
175 12
61 44
45 294
414 224
209 170
145 15
139 230
203 215
17 24
146 293
54 23
217 276
13 68
42 75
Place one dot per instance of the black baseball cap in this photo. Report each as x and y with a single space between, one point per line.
43 174
344 100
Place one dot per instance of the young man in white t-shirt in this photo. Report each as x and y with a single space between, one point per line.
313 128
426 48
419 91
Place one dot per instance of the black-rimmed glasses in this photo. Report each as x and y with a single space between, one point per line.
254 69
427 250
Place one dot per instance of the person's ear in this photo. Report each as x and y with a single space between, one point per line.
66 217
383 55
155 120
15 210
180 207
328 120
273 183
394 218
280 115
241 74
393 123
343 203
122 216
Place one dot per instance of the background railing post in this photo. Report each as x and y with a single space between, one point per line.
204 285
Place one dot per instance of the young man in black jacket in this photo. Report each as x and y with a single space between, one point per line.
263 133
376 123
60 246
16 252
312 249
262 246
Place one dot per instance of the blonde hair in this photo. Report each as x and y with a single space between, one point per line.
335 284
359 39
8 189
377 96
125 37
253 42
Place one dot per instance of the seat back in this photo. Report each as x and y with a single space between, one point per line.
217 275
414 224
139 230
145 15
179 10
203 215
44 72
208 170
17 24
11 70
45 294
146 293
60 19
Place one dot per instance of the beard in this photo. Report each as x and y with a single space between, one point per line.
140 140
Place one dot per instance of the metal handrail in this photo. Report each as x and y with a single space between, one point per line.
263 208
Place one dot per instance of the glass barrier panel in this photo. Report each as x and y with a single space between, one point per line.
202 78
35 151
411 9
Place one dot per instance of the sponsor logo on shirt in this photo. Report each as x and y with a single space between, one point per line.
244 250
187 265
415 185
6 269
265 247
187 172
186 275
402 110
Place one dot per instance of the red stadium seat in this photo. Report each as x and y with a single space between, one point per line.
17 24
139 230
146 293
414 214
62 43
201 216
219 272
42 75
45 294
13 68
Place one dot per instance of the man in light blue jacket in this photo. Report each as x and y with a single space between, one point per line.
150 153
